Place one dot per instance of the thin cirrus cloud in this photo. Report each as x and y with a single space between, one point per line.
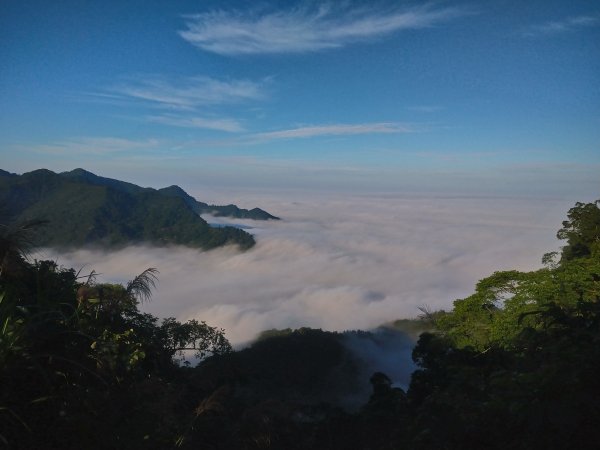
218 124
562 26
188 102
97 146
334 130
188 93
305 29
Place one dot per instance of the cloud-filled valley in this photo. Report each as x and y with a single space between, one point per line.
339 262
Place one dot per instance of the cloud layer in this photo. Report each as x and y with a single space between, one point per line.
340 262
304 29
334 130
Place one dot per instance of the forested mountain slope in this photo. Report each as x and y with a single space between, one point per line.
81 208
171 191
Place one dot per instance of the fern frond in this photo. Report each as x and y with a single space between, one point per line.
141 286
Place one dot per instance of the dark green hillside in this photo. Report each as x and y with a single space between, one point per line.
299 367
82 209
234 211
215 210
83 176
4 173
177 192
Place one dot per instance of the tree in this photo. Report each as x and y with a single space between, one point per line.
198 337
582 231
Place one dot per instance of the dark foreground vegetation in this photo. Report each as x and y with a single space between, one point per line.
513 366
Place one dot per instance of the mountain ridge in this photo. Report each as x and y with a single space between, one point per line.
173 191
84 209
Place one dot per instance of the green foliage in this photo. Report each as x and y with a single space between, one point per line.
582 231
506 303
536 394
117 353
514 365
81 367
193 336
216 210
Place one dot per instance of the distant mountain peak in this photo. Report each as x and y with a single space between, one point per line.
198 207
230 210
78 171
173 188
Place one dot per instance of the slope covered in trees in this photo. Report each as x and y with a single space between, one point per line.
216 210
81 208
84 176
514 365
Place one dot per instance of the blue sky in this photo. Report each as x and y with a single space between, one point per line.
493 97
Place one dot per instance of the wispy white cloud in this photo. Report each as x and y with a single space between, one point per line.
187 93
334 130
220 124
305 29
193 101
299 132
95 146
561 26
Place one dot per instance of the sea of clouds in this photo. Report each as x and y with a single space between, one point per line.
338 261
